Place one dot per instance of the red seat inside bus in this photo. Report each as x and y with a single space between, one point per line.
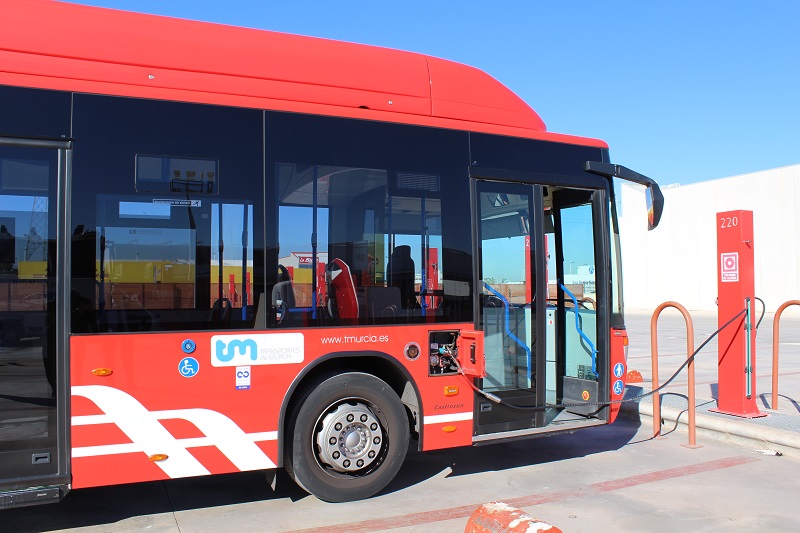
343 303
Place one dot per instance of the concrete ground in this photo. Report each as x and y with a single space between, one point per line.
611 478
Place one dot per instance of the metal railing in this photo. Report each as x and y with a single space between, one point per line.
775 346
690 369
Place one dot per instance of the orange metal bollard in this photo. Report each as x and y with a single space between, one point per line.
690 369
634 376
498 516
775 343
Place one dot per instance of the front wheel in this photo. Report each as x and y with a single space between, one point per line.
347 437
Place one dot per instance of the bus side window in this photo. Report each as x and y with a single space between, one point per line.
168 218
370 195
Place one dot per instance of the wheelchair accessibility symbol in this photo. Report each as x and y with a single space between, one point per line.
618 387
188 367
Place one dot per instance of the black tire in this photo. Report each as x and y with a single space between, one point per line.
365 430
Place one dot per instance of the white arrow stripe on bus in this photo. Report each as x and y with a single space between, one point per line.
149 436
130 447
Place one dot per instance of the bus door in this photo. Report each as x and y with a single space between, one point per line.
508 224
34 464
540 251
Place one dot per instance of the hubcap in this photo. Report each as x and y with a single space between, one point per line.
350 438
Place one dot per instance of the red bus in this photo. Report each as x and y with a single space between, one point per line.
224 249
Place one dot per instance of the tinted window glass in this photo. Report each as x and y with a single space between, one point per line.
525 155
366 234
34 112
27 308
166 242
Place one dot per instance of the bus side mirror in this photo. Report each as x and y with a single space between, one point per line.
655 206
654 198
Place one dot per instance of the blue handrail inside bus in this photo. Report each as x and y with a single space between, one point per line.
580 331
516 339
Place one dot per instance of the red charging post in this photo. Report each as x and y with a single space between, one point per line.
736 284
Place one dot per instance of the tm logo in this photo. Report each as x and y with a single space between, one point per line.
227 350
256 349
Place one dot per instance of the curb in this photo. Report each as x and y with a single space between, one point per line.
739 433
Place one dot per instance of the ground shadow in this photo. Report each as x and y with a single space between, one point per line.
109 505
768 403
550 448
683 415
635 394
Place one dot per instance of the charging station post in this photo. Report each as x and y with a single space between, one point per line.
736 387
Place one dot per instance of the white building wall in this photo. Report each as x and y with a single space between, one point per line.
678 260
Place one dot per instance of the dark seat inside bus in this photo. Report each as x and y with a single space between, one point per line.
220 312
283 296
401 272
382 304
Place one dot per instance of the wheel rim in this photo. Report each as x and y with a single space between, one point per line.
350 437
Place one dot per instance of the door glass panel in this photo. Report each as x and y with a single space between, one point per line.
579 292
508 284
27 311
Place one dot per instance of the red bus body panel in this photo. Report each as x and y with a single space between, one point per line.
203 422
54 45
619 338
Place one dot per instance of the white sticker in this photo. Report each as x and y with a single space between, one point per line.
729 267
257 349
242 377
178 203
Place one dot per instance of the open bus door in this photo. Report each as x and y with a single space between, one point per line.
541 256
34 432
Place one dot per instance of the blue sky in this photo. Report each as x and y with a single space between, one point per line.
682 91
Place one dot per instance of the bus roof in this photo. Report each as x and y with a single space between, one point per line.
57 45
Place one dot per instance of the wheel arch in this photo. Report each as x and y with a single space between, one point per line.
378 364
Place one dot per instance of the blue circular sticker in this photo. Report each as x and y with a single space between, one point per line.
188 346
188 367
618 387
619 370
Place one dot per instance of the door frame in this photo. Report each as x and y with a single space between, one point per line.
514 419
600 198
62 475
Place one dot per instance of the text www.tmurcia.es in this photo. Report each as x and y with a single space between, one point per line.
355 339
